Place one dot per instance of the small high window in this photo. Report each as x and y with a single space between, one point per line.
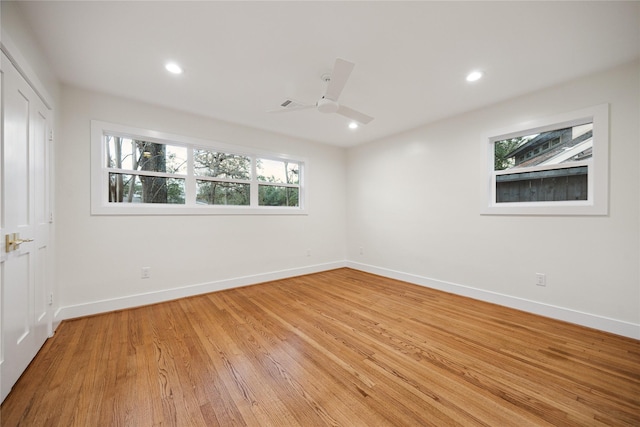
558 166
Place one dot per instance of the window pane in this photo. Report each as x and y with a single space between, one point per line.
222 193
548 148
221 165
126 153
124 188
543 186
273 195
278 171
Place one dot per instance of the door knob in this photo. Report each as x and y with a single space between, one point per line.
18 242
13 242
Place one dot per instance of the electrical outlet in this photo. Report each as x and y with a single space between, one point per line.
145 273
361 250
308 252
541 279
51 298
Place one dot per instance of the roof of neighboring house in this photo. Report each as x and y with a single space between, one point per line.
547 156
538 140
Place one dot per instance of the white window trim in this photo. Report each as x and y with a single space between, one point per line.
99 176
597 202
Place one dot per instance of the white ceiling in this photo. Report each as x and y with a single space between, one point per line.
243 58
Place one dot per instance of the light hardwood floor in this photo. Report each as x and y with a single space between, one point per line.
339 348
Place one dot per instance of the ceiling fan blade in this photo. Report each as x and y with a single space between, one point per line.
291 105
341 72
354 115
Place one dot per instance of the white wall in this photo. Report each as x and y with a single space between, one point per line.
17 36
414 199
99 258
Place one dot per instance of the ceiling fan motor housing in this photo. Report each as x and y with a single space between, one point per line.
326 105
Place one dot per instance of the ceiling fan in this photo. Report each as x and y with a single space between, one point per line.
329 101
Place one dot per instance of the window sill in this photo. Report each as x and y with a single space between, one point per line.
150 210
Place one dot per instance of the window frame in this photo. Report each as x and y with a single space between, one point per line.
100 204
597 202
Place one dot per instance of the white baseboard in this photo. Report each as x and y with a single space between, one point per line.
130 301
602 323
614 326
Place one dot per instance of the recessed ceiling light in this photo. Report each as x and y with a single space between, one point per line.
353 125
474 76
174 68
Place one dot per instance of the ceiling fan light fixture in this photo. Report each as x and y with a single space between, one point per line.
329 102
326 105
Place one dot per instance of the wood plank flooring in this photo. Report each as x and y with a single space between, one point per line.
339 348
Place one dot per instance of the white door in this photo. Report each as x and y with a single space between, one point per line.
25 285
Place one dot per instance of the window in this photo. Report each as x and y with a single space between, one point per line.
222 178
144 172
279 182
136 171
557 166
